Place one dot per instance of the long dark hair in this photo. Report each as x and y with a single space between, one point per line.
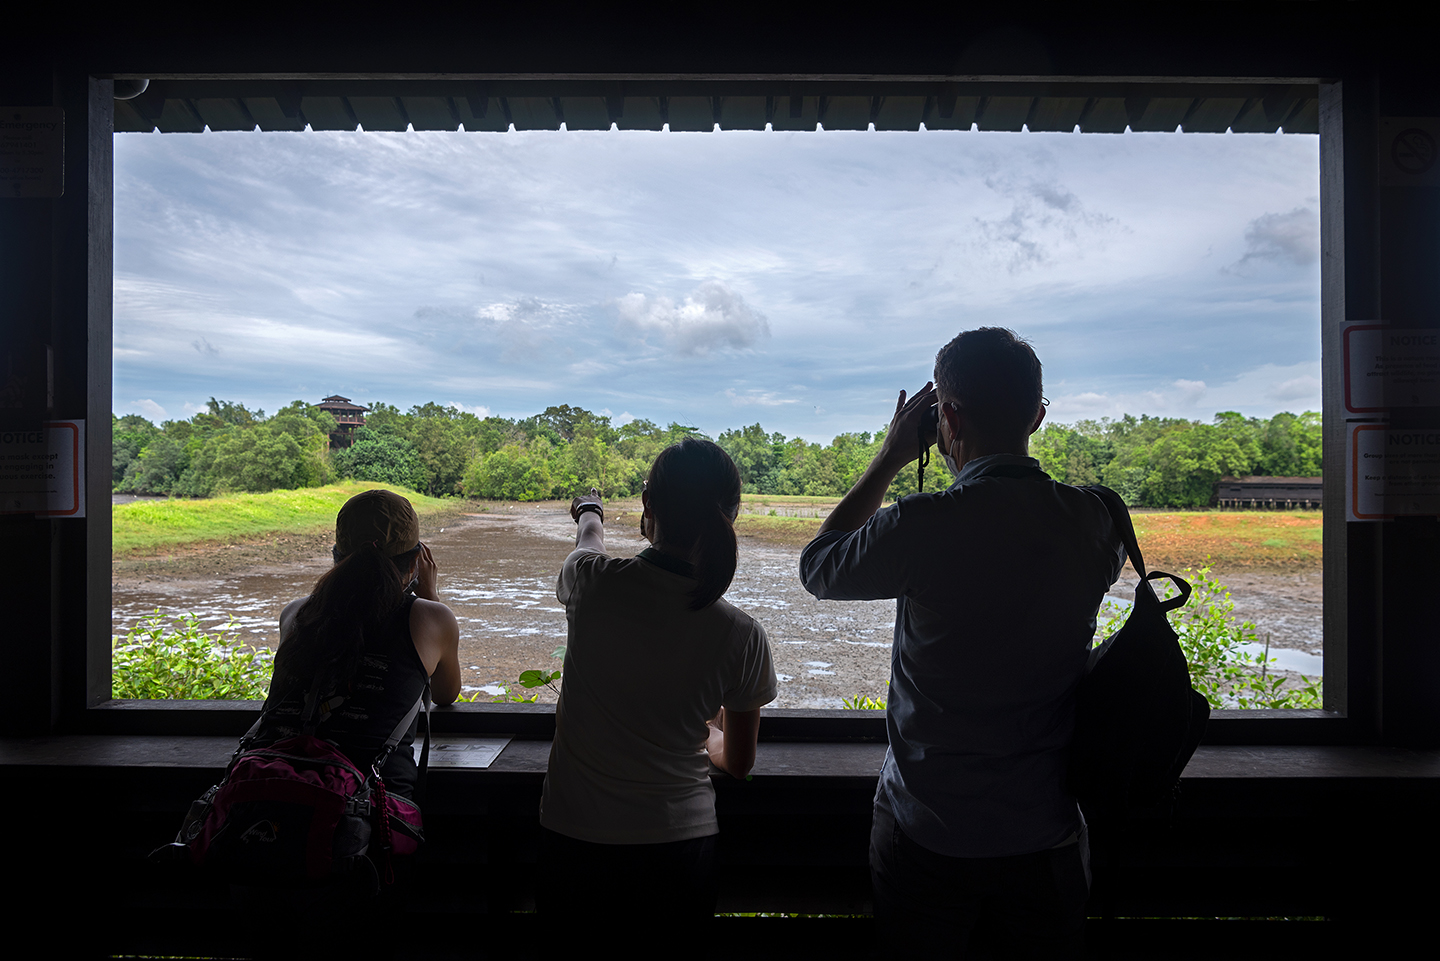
351 601
695 495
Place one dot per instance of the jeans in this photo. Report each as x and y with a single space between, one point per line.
928 905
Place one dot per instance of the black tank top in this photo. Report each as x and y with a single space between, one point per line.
387 683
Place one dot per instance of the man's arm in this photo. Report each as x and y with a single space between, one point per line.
901 446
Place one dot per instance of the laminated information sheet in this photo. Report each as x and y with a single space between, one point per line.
1388 367
474 752
42 470
1393 472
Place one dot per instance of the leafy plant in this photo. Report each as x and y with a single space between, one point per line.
180 661
527 680
1215 643
863 702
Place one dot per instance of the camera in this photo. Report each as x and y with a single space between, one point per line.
929 425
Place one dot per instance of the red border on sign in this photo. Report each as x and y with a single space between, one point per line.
1355 474
74 468
1346 360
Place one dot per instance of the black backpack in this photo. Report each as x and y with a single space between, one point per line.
1137 719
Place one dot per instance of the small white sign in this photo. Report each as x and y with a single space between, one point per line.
1388 367
32 152
1394 472
472 752
42 470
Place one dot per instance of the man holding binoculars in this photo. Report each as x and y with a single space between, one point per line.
998 580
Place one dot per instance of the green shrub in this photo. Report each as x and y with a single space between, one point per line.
1214 642
179 661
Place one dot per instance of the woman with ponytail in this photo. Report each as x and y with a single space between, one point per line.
366 640
662 680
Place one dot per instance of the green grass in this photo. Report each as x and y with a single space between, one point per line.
149 525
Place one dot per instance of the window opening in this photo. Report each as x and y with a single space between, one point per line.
500 319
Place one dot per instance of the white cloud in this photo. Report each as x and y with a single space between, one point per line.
712 317
1292 237
149 408
479 410
624 418
1305 388
1259 392
761 398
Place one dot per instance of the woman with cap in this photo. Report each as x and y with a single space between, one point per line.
367 639
662 679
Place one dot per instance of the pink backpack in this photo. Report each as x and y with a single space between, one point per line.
300 810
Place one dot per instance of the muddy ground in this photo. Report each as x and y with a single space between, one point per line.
497 572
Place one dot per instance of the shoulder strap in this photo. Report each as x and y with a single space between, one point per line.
394 739
1120 517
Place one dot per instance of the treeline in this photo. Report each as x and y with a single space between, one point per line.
224 448
443 451
1170 462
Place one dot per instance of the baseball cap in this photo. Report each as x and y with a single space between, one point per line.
380 517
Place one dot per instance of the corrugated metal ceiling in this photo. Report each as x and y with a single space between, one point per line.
192 106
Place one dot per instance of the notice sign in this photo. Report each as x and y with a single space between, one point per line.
1388 367
1393 472
42 470
32 152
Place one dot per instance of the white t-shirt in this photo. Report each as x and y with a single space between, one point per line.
643 673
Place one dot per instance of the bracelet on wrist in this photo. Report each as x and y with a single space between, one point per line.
588 509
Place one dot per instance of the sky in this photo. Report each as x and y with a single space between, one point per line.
795 279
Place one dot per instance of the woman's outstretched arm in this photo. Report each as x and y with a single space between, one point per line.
590 531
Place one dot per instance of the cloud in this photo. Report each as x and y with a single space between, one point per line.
712 317
204 348
1306 388
624 418
1292 237
1188 392
1044 217
149 408
762 398
479 410
1260 391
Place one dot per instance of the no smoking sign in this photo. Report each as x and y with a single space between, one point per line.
1409 151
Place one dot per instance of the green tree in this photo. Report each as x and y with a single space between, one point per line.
129 436
388 458
515 472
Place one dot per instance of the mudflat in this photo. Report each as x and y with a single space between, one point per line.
498 564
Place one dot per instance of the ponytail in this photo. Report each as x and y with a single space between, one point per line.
717 554
695 495
351 601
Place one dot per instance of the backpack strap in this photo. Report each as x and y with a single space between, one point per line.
393 740
1120 517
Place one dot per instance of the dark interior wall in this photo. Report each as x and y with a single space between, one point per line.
55 271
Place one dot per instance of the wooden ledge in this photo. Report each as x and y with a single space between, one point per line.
774 759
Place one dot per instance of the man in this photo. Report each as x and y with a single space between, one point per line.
998 581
